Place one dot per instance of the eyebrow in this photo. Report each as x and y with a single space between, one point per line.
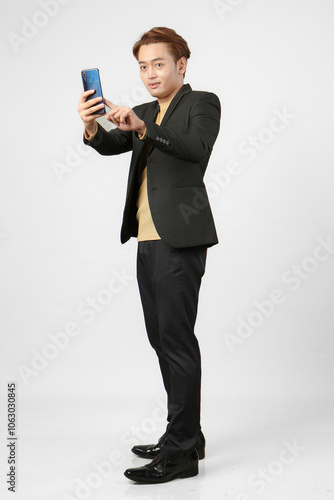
153 60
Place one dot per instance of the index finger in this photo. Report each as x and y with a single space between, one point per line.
110 104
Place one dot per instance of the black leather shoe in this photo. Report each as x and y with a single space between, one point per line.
161 470
153 450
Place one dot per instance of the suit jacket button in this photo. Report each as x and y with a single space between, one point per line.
157 138
167 143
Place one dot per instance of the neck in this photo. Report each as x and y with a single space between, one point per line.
170 96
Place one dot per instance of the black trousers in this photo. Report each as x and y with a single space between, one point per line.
169 280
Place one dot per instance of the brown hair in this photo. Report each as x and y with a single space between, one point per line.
177 46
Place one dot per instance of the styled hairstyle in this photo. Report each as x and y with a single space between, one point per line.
177 46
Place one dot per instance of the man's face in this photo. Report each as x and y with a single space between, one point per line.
160 74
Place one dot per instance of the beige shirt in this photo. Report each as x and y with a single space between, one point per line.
146 228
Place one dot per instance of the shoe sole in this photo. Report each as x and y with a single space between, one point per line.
201 454
181 475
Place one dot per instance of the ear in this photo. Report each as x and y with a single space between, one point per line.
182 65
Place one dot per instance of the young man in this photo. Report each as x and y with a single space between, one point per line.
167 209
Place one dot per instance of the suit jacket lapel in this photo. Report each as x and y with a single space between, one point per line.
184 90
151 112
150 116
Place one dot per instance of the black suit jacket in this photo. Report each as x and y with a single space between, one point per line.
176 153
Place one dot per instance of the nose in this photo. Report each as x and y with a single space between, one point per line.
151 72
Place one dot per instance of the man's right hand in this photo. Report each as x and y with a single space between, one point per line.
88 109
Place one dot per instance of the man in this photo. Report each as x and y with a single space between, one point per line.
167 209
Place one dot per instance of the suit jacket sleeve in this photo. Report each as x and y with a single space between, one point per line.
113 142
196 144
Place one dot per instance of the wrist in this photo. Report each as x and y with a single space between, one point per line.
141 130
91 130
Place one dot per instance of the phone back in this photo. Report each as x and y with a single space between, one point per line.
91 80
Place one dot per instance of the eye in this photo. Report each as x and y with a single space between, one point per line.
159 65
142 68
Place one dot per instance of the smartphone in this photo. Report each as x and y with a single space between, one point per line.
91 80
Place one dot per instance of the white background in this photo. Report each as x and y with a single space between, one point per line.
62 205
